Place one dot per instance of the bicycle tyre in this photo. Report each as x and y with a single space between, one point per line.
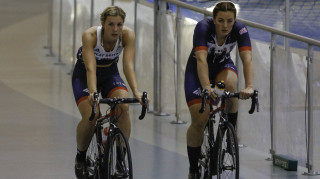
207 158
228 153
94 158
117 141
204 160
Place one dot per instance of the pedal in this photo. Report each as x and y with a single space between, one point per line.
285 162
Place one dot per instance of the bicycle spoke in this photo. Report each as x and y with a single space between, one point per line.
93 158
206 158
119 157
228 154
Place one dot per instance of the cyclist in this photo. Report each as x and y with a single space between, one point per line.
209 62
96 71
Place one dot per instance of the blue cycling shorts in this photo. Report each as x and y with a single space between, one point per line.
108 80
192 85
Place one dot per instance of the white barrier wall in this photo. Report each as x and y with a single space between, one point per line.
290 116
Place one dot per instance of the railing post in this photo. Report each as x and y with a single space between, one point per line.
310 152
273 126
238 59
287 24
50 26
135 15
156 38
60 35
91 13
135 29
74 56
178 68
159 11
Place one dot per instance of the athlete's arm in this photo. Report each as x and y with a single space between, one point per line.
245 52
89 40
246 57
203 70
200 37
128 61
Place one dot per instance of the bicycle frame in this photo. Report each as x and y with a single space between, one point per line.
97 156
215 155
213 112
221 109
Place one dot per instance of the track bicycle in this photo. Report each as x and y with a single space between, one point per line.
110 159
220 155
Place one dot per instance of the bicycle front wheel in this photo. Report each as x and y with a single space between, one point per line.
94 158
205 159
118 162
228 153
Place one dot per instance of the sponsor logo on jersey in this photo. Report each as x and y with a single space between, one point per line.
86 90
243 30
100 55
197 92
118 83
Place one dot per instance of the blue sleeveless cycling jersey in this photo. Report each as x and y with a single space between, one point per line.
103 57
205 39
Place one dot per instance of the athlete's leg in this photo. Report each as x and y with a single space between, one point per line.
122 111
195 135
85 128
230 78
198 120
198 123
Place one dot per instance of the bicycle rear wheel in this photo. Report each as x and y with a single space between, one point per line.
118 156
228 153
94 158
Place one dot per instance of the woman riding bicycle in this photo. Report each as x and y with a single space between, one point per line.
209 62
96 71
